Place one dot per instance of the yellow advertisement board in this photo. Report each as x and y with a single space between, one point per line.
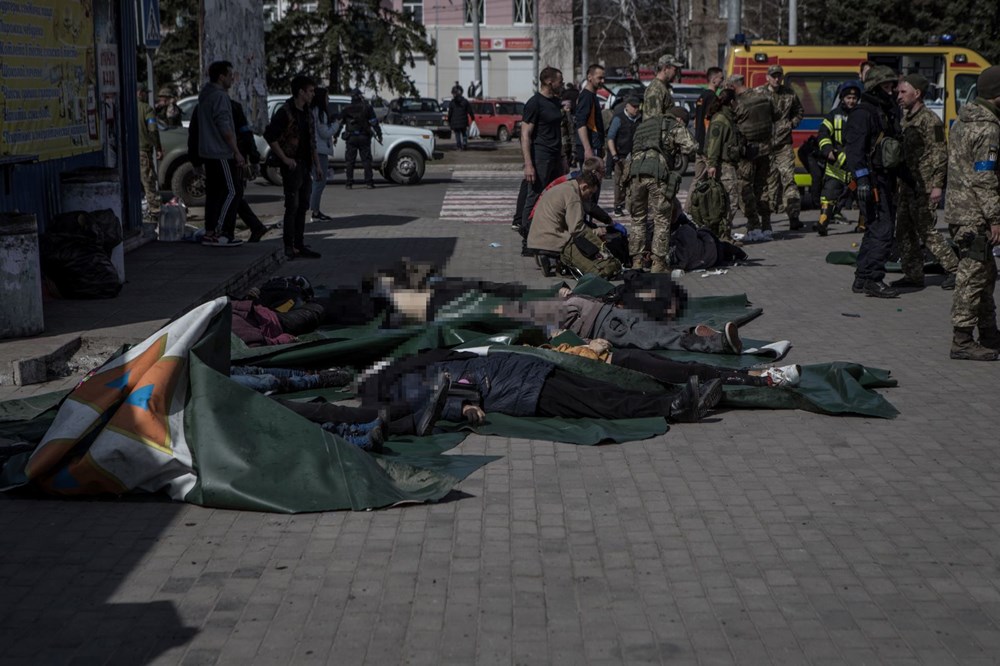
48 97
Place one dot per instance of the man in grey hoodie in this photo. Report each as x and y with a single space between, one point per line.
221 156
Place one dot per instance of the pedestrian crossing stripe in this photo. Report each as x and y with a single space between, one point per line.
490 197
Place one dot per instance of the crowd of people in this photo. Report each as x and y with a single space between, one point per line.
880 149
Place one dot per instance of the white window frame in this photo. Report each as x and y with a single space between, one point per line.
467 11
410 5
527 12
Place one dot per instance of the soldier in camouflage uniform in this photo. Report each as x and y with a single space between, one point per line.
653 185
755 161
658 99
781 187
722 153
921 186
972 210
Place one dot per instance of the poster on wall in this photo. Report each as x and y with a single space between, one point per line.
48 70
233 30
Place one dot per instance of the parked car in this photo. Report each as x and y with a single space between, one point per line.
418 112
400 158
498 118
176 173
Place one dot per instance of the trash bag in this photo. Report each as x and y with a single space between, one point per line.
100 226
78 266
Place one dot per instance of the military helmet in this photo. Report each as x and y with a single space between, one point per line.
878 75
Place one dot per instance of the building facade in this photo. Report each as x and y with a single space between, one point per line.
707 39
507 43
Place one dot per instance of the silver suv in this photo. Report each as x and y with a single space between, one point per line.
400 158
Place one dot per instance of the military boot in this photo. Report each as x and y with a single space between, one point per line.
794 223
637 262
860 228
965 348
989 337
659 265
822 227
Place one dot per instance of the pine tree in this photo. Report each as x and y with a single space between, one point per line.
176 62
359 43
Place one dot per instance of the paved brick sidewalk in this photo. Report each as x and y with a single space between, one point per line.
756 537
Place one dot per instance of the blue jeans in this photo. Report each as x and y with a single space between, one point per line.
461 138
278 380
319 185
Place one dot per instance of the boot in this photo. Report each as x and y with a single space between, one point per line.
659 265
693 401
963 347
989 337
822 227
545 263
860 228
949 282
637 262
794 223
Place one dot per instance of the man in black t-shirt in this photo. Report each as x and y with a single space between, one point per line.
541 145
587 119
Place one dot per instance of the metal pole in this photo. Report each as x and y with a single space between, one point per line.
584 38
735 11
437 43
793 20
151 100
477 56
536 47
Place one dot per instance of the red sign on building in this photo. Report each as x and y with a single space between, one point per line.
497 44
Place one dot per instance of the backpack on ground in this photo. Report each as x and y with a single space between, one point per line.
586 253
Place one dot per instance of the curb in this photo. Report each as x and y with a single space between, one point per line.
50 364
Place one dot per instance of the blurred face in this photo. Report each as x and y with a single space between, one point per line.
850 100
775 80
907 95
889 88
632 109
557 84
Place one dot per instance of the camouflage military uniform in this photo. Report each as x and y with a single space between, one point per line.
926 158
781 187
751 175
722 152
657 99
149 142
652 186
972 205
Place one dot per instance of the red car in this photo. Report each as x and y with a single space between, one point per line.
498 118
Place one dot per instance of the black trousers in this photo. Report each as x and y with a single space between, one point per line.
880 228
569 395
359 145
247 215
223 193
677 372
297 184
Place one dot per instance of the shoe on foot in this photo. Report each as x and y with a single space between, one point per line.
786 375
221 241
794 223
907 282
318 216
879 289
859 286
964 348
619 211
693 401
305 253
435 403
289 252
949 282
731 336
822 228
335 377
257 234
